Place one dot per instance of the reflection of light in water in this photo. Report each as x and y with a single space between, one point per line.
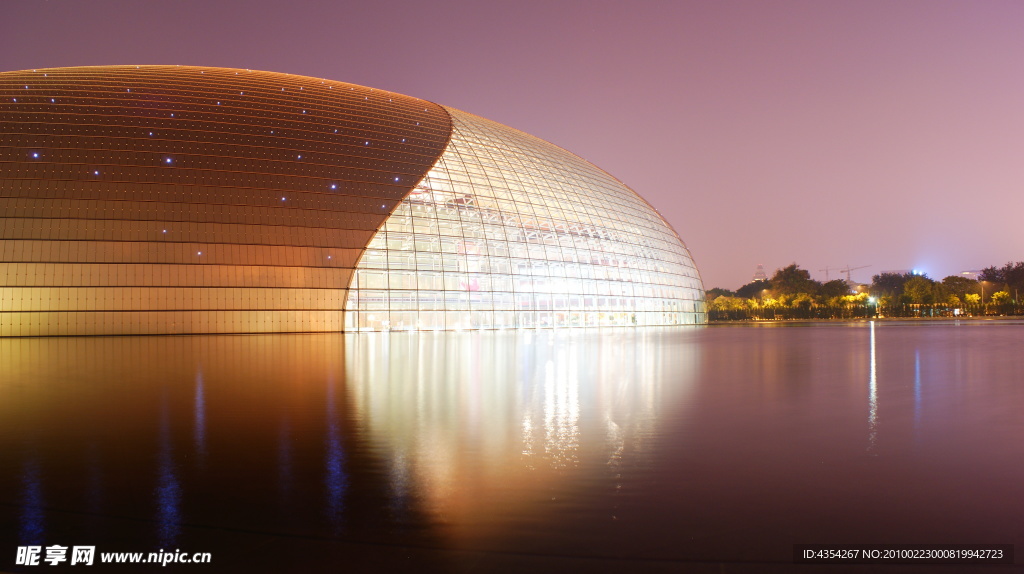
473 425
31 524
917 387
561 412
335 478
872 395
399 482
168 490
199 412
284 463
95 481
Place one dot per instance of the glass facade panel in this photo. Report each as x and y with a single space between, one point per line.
507 230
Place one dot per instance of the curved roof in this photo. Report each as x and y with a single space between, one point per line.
164 199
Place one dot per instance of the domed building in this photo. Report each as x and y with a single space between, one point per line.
174 199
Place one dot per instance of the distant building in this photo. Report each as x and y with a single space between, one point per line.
760 275
972 275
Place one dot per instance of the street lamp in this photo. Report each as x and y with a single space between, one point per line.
874 301
984 308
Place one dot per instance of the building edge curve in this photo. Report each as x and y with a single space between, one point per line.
510 231
154 200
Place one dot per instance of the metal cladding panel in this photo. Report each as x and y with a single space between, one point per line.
174 199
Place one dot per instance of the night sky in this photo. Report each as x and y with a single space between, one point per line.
888 134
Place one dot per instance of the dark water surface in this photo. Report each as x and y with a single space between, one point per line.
690 449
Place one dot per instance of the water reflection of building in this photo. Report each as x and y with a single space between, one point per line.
474 423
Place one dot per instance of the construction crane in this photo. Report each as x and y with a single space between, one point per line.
847 270
826 270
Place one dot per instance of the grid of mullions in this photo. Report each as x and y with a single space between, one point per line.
167 199
507 230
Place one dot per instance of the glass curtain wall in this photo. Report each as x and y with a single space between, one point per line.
507 230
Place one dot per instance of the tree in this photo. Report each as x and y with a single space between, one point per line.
716 292
802 301
791 280
835 288
959 286
753 289
972 299
1011 275
1000 298
889 284
725 303
920 289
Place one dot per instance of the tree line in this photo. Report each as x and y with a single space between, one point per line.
792 294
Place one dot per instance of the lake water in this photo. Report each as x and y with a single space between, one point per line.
689 449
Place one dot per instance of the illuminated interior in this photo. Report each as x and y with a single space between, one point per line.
507 230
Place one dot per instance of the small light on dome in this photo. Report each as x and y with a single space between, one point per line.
167 160
35 154
96 172
334 186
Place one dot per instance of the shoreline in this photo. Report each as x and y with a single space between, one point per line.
970 319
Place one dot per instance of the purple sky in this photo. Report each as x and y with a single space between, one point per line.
888 134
